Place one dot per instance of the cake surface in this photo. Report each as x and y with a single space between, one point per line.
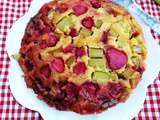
82 55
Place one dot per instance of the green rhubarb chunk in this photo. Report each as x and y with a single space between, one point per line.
136 60
128 73
51 14
98 75
65 23
101 77
96 62
99 64
70 61
95 52
98 23
85 32
122 43
114 76
134 79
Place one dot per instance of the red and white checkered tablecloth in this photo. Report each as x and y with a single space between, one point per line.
10 11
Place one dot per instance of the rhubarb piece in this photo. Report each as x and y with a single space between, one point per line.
57 91
113 76
71 92
115 90
57 64
128 73
79 68
73 32
51 14
68 49
61 7
134 79
52 41
70 61
95 3
96 62
85 32
65 23
112 91
104 37
101 77
95 52
80 9
87 22
98 23
116 59
136 61
121 43
79 52
88 90
45 70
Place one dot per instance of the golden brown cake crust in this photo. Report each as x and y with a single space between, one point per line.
82 55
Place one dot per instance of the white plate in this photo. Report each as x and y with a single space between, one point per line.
27 98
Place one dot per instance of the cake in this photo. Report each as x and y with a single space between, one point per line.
83 56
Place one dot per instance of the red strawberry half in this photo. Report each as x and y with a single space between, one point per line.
79 68
68 49
52 41
116 58
79 52
95 3
57 64
104 37
88 22
80 9
73 32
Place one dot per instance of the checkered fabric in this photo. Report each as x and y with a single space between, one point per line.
153 10
10 11
149 7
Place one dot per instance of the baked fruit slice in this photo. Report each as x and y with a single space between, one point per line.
82 55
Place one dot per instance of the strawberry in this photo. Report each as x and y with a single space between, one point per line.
73 32
52 41
116 58
57 64
80 9
79 52
95 3
68 49
79 68
88 22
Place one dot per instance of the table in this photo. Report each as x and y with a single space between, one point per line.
10 11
